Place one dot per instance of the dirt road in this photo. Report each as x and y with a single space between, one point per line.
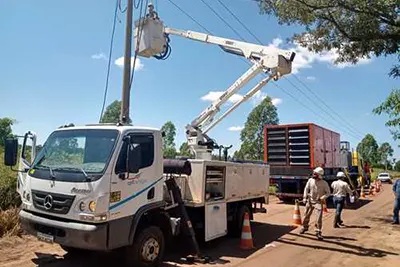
367 240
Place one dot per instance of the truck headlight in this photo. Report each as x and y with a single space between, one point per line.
92 206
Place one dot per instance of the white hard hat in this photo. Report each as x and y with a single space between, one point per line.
340 175
319 171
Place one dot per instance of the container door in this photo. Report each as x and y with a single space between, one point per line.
336 150
328 149
216 216
319 150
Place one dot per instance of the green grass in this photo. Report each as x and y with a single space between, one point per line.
8 184
395 174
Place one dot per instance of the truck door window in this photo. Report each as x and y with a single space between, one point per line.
146 142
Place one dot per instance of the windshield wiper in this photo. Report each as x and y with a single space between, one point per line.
51 170
52 176
87 177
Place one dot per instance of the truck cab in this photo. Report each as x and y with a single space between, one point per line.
88 182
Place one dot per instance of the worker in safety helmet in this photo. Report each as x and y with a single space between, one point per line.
316 191
340 190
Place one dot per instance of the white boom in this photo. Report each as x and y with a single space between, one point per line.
276 62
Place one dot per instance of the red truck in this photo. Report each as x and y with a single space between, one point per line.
294 150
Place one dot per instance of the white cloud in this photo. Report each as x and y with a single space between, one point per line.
235 128
276 101
305 58
276 42
120 63
258 98
99 56
214 95
311 78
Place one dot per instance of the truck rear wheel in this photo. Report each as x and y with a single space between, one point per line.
147 249
237 224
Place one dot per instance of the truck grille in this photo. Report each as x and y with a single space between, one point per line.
60 204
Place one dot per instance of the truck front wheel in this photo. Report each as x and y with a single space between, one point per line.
147 249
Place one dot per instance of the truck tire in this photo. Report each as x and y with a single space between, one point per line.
237 224
147 249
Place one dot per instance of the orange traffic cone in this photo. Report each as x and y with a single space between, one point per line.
377 186
324 208
362 193
296 214
246 242
371 191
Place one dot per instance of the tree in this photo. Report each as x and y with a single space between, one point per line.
252 134
112 113
354 28
397 166
391 107
5 129
184 150
385 151
368 149
169 130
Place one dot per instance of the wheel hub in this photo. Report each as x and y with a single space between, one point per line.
150 249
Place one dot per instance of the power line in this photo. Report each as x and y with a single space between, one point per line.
117 5
280 87
325 104
347 129
307 107
222 19
348 126
240 22
190 17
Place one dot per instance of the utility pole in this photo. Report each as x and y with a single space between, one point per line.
126 86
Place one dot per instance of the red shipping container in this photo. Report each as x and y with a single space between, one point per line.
301 146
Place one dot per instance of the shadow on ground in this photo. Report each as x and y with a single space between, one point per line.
336 244
263 234
216 250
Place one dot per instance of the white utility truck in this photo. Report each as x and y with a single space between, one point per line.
107 187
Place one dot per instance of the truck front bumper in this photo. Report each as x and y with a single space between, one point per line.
71 234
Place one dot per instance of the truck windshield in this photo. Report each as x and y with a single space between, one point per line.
75 155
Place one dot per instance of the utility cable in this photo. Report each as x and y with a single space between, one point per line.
190 17
279 87
326 105
348 125
109 58
222 19
240 22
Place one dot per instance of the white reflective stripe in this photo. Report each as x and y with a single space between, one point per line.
296 216
246 223
246 235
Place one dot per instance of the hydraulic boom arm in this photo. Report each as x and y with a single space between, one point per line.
276 62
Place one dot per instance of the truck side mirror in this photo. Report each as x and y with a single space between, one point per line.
134 158
10 152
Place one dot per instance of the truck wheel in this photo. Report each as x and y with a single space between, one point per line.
147 249
237 223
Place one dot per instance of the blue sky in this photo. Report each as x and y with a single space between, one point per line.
53 71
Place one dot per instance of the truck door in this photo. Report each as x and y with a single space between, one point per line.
28 154
132 191
215 206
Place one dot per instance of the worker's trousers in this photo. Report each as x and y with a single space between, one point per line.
310 207
396 210
338 202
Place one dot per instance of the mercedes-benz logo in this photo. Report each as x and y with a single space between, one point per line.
48 202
